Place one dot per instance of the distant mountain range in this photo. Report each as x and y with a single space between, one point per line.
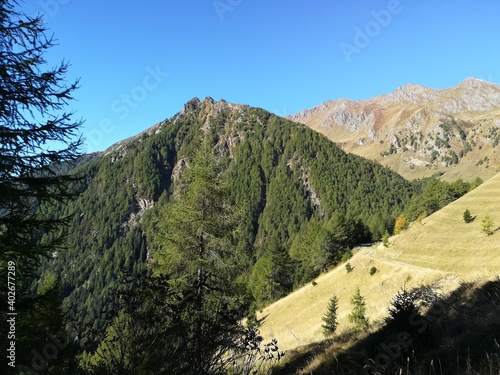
418 131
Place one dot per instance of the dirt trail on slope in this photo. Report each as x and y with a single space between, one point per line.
374 253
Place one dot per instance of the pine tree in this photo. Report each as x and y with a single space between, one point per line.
403 305
330 318
487 225
358 314
38 143
196 233
196 229
348 267
37 138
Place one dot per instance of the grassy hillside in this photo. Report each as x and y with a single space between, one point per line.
445 242
443 250
296 319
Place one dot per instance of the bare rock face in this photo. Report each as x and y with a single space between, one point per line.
307 113
179 167
418 130
479 96
470 95
345 113
190 106
409 93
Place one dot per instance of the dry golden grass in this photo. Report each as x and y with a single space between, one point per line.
442 250
296 319
445 242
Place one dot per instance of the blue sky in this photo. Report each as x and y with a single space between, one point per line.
140 61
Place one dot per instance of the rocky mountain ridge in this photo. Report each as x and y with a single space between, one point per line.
417 130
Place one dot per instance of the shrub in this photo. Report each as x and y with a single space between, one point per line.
346 256
401 224
348 267
421 217
385 239
468 218
373 270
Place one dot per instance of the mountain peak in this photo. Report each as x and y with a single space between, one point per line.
194 104
209 100
411 88
410 92
478 84
471 81
190 105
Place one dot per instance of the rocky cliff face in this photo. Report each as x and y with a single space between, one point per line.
417 130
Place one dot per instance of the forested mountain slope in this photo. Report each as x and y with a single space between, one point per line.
283 176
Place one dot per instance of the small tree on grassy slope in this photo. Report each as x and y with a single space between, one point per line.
358 314
330 318
487 225
468 218
385 239
401 224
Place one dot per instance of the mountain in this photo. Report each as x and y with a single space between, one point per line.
282 175
418 131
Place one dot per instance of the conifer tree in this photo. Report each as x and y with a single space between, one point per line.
358 314
37 138
330 318
385 239
270 279
38 142
348 267
487 225
185 318
196 235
